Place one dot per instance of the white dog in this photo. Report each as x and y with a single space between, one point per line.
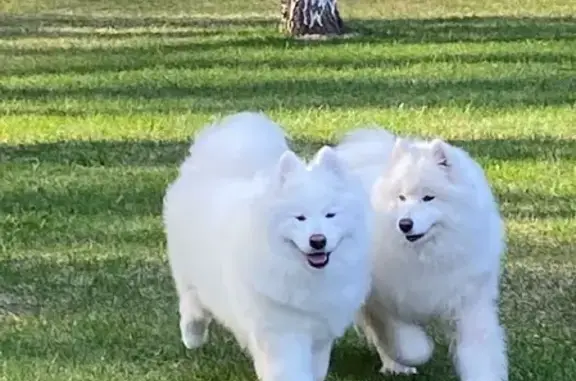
273 249
438 243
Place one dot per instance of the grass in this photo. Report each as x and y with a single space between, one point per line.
98 100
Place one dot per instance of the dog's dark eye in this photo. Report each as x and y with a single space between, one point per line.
330 215
301 218
402 198
428 198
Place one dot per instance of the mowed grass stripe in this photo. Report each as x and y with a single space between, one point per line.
535 132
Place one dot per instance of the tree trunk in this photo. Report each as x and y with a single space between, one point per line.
305 17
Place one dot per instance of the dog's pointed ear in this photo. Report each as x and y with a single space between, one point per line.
400 147
439 151
288 163
328 159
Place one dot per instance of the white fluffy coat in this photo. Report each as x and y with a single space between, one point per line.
238 248
450 273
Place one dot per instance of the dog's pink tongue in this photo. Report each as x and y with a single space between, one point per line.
317 259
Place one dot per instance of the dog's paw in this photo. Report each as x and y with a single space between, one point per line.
394 368
194 335
192 341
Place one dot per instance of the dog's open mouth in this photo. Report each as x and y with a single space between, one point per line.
318 260
414 237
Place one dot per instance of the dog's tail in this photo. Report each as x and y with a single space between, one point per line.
366 147
239 145
365 151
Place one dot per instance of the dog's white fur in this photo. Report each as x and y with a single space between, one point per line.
237 252
451 273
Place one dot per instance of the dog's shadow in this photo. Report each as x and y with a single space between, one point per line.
353 362
358 361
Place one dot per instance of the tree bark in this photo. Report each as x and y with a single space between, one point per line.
305 17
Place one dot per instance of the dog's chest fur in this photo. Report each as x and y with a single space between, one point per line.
418 290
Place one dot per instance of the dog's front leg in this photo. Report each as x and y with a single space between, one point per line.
321 351
480 352
286 357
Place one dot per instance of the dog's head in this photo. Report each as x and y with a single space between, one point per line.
420 188
317 211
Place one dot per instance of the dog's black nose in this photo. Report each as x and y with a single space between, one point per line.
317 241
405 224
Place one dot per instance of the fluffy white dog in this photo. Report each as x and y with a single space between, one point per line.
438 243
275 250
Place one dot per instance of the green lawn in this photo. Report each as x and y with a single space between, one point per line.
98 100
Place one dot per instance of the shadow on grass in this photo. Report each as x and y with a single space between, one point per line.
93 200
529 204
536 148
437 30
14 33
130 215
238 34
354 359
366 91
102 61
361 91
115 197
32 25
117 311
87 302
481 29
98 153
533 310
69 210
101 153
